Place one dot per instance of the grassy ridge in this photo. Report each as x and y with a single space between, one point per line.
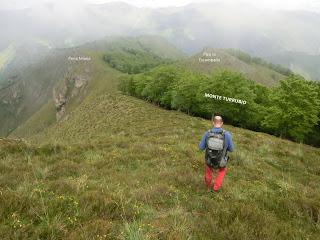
120 168
117 167
103 78
256 72
42 78
31 89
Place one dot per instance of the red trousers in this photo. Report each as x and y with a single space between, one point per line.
218 179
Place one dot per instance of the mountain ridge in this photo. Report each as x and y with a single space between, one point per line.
262 33
162 48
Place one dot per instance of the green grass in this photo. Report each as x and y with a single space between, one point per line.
33 88
120 168
33 111
117 167
256 72
102 78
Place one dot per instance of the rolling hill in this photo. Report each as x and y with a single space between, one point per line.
27 82
220 24
211 60
64 81
55 76
116 167
301 63
121 168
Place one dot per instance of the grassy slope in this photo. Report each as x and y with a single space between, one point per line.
255 72
161 47
99 71
304 64
46 115
33 87
157 45
120 168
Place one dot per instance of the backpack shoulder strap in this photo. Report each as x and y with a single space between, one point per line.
224 143
224 135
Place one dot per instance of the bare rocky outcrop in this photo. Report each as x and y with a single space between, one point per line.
60 102
70 87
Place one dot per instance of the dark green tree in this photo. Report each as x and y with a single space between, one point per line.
232 85
185 91
294 108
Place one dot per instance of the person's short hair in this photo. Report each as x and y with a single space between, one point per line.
217 116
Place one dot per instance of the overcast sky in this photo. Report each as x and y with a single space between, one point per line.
311 5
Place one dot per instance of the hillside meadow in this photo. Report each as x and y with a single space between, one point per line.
118 167
121 168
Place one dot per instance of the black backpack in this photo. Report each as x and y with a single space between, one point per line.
216 149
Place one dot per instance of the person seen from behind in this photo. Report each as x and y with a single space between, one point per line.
217 143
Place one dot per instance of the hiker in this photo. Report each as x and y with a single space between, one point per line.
217 143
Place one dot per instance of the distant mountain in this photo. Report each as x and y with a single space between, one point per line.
210 60
262 33
117 166
307 65
66 82
55 80
121 167
27 81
